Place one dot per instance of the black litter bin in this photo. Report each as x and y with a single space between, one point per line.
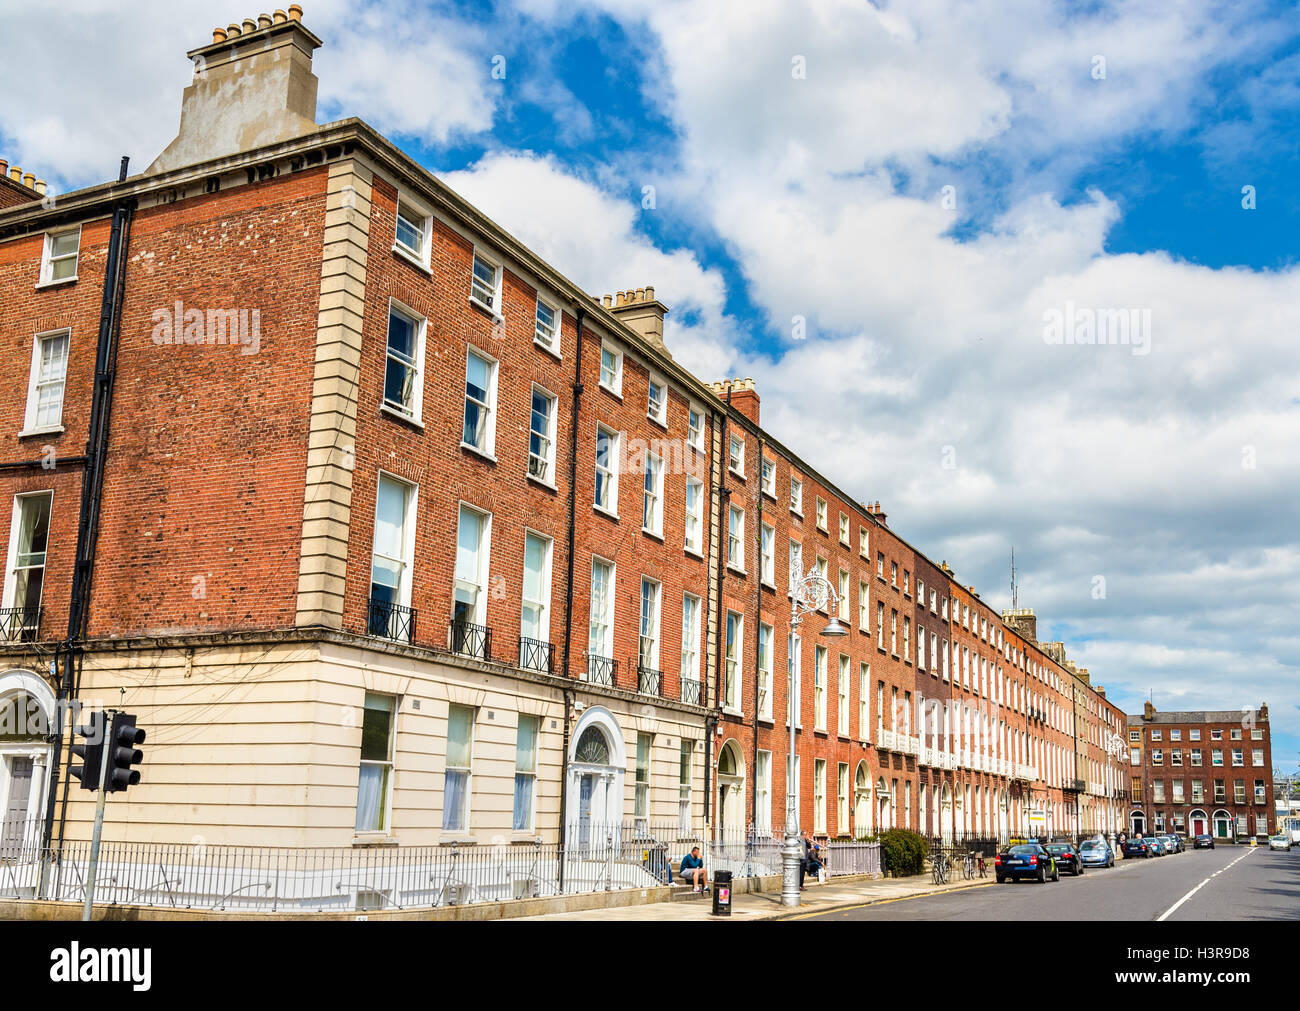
722 893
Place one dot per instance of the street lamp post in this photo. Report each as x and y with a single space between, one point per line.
812 592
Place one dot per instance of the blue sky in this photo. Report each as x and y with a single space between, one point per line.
1172 475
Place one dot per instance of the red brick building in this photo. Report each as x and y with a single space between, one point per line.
1201 773
388 532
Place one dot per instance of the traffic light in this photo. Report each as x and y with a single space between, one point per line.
122 753
91 753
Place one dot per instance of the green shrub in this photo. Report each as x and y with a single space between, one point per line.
903 851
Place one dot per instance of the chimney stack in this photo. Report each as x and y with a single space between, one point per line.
642 313
253 85
744 395
1148 711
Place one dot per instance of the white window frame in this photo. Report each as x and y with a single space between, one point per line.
842 711
528 773
468 770
421 219
767 477
819 795
606 619
552 346
736 538
864 543
484 563
611 469
35 383
733 662
388 764
413 413
543 604
490 429
658 416
11 561
48 258
733 458
767 555
796 495
649 634
820 667
763 706
694 519
844 528
763 791
407 559
690 668
821 515
493 305
615 387
864 605
652 496
695 437
547 477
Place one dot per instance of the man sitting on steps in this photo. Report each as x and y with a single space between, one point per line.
692 870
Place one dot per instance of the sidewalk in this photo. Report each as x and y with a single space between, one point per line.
767 905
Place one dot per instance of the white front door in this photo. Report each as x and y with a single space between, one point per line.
19 771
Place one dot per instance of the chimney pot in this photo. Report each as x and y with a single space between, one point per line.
29 180
618 298
16 174
4 167
295 12
40 186
249 26
218 35
232 31
640 294
279 17
263 21
608 301
649 294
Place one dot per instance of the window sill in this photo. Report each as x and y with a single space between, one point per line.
490 310
457 839
51 430
661 422
694 553
737 474
539 481
371 839
553 352
605 512
40 285
729 711
656 534
737 570
796 512
769 494
478 452
610 390
767 584
767 720
406 419
413 258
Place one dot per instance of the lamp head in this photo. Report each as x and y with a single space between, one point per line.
834 628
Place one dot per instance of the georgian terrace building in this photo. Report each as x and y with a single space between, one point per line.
389 533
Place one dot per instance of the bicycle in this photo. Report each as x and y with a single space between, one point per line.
939 870
982 868
968 866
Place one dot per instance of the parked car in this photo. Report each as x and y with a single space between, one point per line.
1172 842
1134 848
1026 860
1066 856
1280 842
1157 846
1203 842
1096 853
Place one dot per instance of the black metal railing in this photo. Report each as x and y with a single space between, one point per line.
20 624
691 692
648 680
535 654
1074 786
601 670
391 621
471 640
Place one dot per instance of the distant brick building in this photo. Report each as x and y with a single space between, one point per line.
1202 773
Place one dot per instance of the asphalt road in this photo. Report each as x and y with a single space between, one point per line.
1225 883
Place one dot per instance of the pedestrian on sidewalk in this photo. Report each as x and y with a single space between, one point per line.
692 870
812 862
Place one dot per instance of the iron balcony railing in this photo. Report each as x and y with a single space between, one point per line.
20 624
535 655
391 621
691 692
648 680
601 670
471 640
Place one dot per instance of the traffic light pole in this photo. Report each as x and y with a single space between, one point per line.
99 828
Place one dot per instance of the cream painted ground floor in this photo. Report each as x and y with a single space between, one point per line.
328 740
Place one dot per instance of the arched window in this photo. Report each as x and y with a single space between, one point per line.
592 748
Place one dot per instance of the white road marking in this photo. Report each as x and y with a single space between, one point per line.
1172 909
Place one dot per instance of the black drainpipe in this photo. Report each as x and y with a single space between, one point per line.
92 483
581 314
719 647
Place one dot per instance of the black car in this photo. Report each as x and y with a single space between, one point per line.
1137 848
1066 856
1203 842
1026 860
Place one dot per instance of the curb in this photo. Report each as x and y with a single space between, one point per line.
855 904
